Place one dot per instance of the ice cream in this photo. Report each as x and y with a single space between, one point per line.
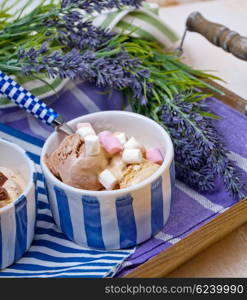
102 161
70 164
136 173
11 186
117 166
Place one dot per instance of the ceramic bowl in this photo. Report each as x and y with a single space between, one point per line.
120 218
17 219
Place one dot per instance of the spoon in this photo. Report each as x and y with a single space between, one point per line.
25 100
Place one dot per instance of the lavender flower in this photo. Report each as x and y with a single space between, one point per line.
94 5
74 32
116 71
201 156
70 65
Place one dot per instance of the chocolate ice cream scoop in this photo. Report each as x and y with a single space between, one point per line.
11 186
70 164
3 179
3 194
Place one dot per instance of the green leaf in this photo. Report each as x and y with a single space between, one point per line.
197 97
210 115
4 15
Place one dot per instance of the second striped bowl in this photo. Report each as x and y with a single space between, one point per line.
18 218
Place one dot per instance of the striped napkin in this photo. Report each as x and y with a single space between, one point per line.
142 22
51 253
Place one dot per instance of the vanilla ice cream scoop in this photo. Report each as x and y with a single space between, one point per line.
136 173
70 164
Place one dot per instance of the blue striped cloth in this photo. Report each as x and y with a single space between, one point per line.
51 254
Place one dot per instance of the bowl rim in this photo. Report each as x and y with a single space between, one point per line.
166 163
30 182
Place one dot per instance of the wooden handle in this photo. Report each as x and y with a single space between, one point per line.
219 35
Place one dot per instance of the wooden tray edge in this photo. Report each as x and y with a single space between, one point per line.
168 260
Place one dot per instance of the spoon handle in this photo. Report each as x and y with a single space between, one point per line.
25 100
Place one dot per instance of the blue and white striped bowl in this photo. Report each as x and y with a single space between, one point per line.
17 219
121 218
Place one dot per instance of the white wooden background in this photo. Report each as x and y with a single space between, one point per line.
203 55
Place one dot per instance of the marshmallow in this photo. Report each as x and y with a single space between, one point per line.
117 166
132 144
85 129
80 125
104 134
109 142
154 155
92 145
121 136
107 179
132 156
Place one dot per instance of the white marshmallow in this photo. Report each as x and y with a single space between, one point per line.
92 145
117 166
121 136
85 131
132 156
107 179
132 144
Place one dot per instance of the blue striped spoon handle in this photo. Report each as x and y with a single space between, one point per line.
25 100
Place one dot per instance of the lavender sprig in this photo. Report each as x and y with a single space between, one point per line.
115 70
91 6
74 32
201 156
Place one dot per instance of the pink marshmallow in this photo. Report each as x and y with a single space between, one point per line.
80 125
105 133
154 155
110 143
